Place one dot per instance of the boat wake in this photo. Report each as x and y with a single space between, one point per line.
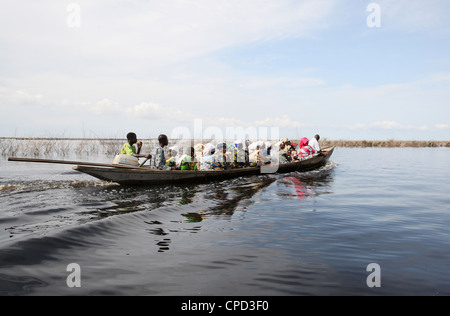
39 186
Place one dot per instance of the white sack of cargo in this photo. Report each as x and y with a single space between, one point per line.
126 160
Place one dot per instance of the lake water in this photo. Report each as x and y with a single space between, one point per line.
311 233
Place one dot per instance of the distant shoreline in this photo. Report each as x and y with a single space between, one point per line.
385 143
323 142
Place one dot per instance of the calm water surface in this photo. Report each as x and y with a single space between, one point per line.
310 233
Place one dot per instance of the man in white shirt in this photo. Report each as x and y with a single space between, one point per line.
314 143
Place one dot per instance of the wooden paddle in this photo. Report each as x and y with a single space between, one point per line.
80 163
143 162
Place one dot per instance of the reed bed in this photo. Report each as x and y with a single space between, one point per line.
64 147
383 143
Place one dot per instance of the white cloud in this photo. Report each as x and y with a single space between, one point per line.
14 97
136 35
386 125
442 126
104 106
153 111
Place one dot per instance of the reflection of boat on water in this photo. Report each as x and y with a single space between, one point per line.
228 200
299 187
145 176
131 176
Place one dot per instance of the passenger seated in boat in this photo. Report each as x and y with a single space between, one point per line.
199 148
219 161
159 160
287 144
314 143
265 153
130 149
172 162
282 155
255 157
240 156
187 161
292 155
305 150
208 156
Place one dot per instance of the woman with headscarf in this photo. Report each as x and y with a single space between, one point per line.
256 156
305 150
208 157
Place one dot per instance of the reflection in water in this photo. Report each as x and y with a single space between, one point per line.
198 203
299 186
306 185
228 199
224 197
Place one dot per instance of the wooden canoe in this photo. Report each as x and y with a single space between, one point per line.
146 176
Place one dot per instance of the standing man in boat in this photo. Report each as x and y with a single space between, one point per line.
159 160
130 149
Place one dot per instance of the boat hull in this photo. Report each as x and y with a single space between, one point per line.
145 176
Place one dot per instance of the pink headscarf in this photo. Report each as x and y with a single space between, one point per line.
303 142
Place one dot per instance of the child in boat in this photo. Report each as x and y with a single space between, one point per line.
159 160
292 155
130 149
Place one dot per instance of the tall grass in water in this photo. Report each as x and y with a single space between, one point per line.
84 148
30 147
383 144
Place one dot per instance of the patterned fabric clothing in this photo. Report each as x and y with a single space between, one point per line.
219 162
206 162
306 151
187 163
159 160
240 158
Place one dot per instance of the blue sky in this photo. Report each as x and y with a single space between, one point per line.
152 67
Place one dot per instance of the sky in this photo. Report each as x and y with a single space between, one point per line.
345 69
